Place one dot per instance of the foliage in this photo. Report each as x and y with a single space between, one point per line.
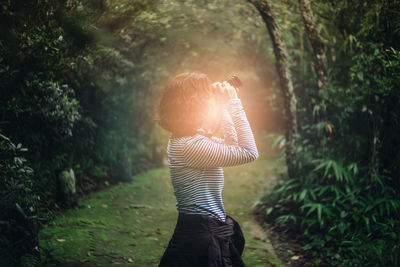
344 204
338 215
79 81
19 206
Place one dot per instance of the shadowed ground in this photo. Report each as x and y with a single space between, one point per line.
131 223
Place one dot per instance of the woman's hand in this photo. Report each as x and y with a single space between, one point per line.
226 90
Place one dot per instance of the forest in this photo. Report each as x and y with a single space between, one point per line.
79 82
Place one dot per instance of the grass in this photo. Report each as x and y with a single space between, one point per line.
131 223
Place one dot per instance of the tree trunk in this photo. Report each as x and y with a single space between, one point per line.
285 79
318 47
319 66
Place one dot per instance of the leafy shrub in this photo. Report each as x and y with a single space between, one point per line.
19 206
340 212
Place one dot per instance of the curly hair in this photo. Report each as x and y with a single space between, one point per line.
184 102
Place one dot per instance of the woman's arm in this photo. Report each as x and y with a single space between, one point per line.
202 152
230 136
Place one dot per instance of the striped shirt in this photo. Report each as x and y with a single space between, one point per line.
196 162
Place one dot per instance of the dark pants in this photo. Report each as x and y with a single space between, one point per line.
203 241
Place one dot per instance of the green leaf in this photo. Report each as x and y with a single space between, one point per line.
319 210
303 194
20 210
269 210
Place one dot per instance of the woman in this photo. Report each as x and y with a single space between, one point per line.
189 108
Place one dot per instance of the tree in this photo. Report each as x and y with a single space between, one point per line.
319 63
285 80
317 45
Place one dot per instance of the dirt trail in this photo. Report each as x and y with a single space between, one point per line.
131 223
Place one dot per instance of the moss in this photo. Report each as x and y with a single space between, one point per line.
131 223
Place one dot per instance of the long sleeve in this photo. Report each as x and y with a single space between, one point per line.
203 152
230 136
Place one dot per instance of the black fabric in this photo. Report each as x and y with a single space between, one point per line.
203 241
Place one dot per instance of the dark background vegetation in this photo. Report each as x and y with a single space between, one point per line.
79 81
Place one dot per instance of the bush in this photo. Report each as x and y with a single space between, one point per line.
19 206
339 213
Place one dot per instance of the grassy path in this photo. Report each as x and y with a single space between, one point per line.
131 223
